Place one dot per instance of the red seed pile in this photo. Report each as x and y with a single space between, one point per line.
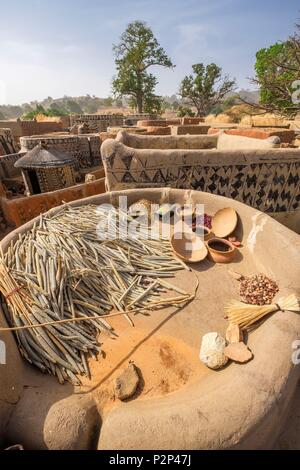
258 289
205 220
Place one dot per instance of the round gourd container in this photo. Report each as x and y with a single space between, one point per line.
224 222
189 247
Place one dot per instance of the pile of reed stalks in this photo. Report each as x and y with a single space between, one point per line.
60 282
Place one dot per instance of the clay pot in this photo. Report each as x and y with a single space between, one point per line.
215 252
224 222
189 247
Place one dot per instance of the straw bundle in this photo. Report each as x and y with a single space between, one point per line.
245 315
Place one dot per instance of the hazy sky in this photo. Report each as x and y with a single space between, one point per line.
64 47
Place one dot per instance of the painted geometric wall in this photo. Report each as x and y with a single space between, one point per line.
268 180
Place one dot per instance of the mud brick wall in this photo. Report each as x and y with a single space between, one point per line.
84 151
286 135
132 119
20 210
186 121
39 128
268 180
29 128
190 129
7 169
89 149
95 126
95 149
84 148
153 130
90 145
152 123
66 121
98 122
7 142
15 128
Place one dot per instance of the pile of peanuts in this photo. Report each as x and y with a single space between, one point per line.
258 289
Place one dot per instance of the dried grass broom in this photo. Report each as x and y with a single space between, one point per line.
245 315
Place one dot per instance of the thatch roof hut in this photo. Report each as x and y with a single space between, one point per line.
46 169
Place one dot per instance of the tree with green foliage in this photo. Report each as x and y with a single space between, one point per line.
226 104
39 109
153 104
185 111
277 71
175 105
137 51
53 111
205 87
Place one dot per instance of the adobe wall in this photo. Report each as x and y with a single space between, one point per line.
28 128
95 149
267 180
289 219
7 142
167 143
113 131
18 211
189 129
66 121
228 143
132 119
2 194
159 122
152 123
97 122
186 121
84 148
40 128
7 168
14 126
286 135
158 130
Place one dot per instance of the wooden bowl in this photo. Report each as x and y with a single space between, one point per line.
189 247
219 255
202 232
224 222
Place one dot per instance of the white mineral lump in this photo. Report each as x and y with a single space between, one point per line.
212 351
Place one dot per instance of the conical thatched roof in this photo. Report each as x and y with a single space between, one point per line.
43 156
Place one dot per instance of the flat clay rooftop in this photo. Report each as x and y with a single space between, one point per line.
164 345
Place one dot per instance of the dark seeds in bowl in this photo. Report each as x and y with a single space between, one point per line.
219 246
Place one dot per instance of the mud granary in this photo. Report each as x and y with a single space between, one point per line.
46 169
